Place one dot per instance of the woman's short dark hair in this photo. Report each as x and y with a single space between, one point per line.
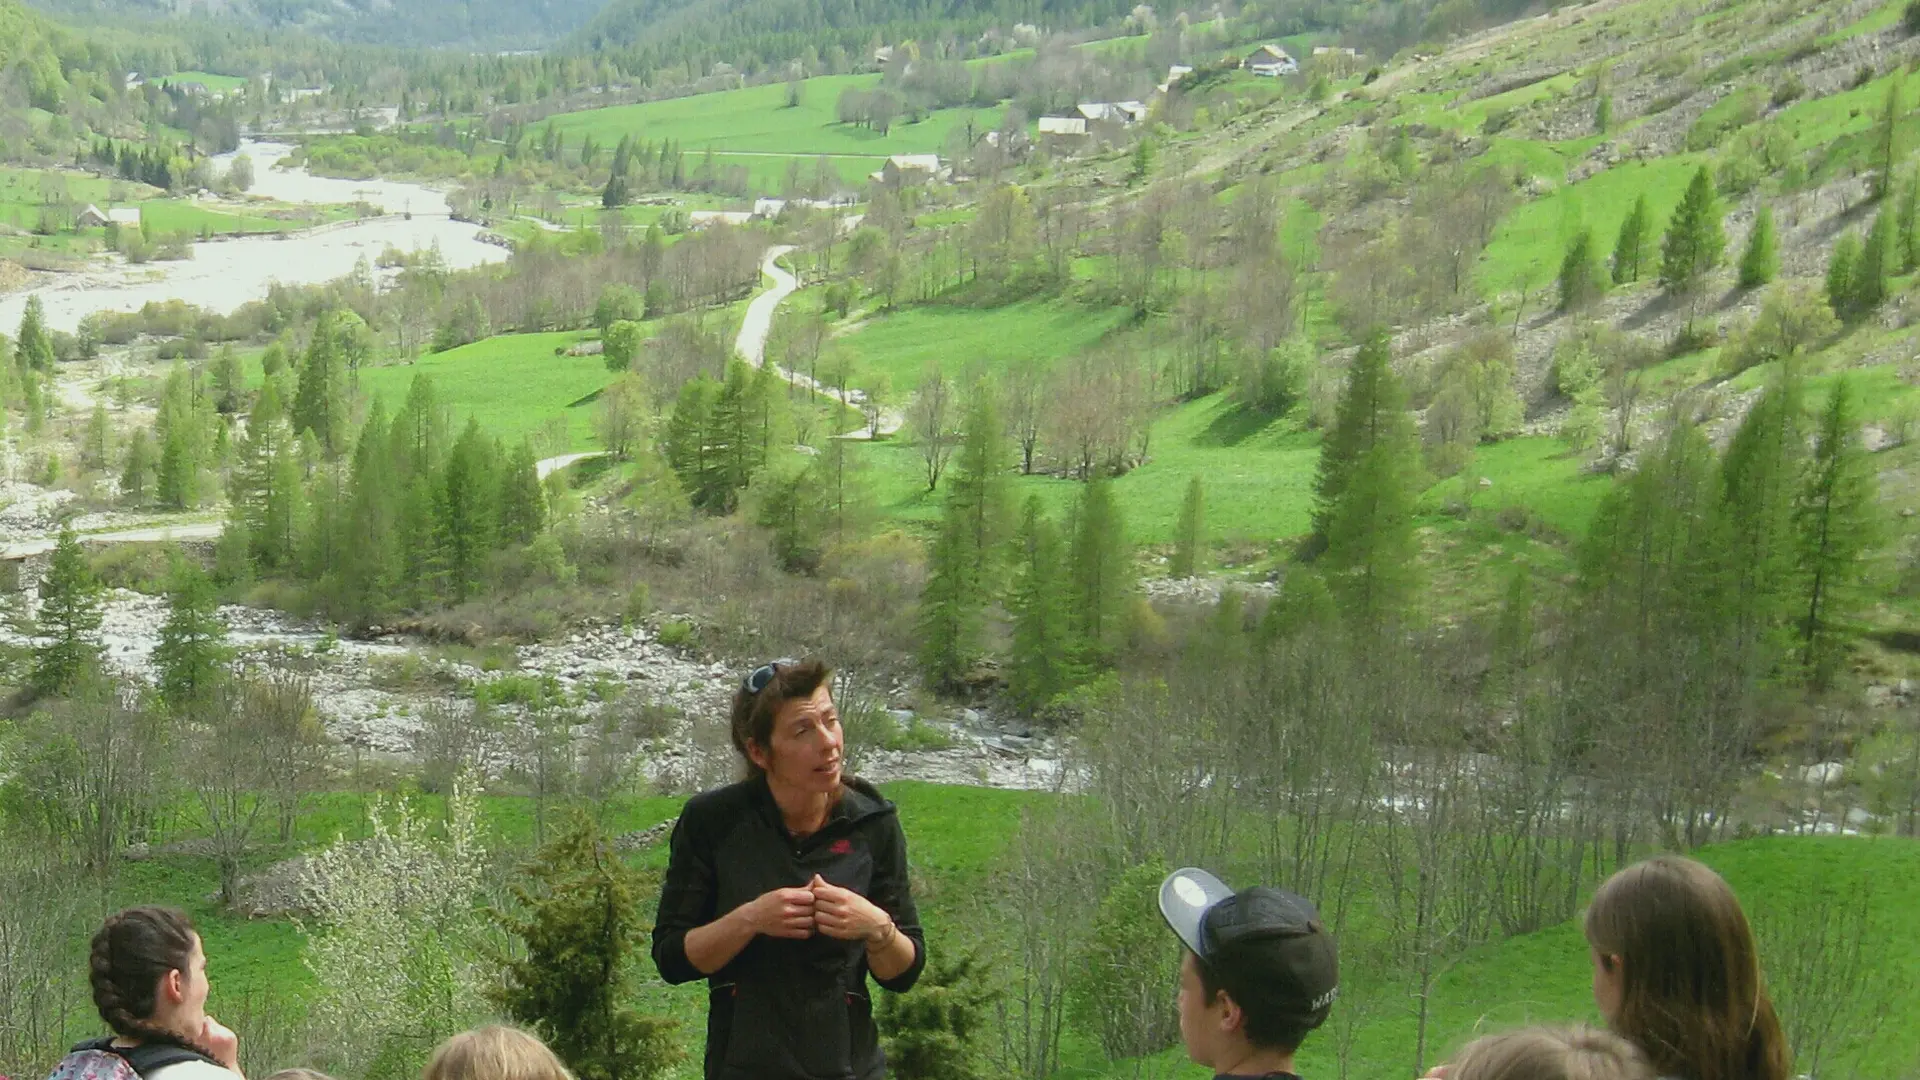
131 953
753 713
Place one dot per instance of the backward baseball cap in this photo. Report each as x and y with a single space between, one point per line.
1266 940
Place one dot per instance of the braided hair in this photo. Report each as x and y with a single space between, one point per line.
131 953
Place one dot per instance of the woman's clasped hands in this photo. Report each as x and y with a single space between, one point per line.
818 905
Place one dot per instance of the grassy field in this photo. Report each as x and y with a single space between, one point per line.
754 126
513 384
900 346
219 84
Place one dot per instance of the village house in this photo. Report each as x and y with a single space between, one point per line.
92 217
1063 127
1270 61
1113 112
1175 72
908 169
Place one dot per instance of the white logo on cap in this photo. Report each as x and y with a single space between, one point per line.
1190 892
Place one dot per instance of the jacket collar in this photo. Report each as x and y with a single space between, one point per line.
859 801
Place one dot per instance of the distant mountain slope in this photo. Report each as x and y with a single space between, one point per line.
490 24
751 33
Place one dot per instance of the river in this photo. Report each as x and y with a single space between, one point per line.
224 274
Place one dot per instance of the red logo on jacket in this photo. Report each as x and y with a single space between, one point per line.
841 846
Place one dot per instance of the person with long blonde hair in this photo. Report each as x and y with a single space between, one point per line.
1677 973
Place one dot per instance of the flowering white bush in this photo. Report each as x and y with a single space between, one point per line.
393 945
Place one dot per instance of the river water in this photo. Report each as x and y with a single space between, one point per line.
224 274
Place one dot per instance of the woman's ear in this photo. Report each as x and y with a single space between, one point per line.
173 986
759 756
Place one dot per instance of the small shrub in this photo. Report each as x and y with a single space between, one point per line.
675 634
1692 339
1910 19
1862 77
1789 89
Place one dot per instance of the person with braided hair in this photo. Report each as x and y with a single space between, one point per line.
149 975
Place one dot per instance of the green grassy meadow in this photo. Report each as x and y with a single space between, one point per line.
513 384
755 127
958 340
219 84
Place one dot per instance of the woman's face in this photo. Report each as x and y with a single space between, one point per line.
806 745
184 994
1607 988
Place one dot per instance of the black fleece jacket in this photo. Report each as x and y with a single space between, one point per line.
785 1009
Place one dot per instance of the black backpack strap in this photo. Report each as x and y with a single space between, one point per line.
147 1058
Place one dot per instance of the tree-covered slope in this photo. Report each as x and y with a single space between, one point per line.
494 24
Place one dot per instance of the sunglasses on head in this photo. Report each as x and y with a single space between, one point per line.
759 677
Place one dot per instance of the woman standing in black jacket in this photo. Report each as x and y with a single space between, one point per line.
785 890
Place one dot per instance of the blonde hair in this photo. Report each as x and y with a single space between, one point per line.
299 1074
494 1053
1576 1053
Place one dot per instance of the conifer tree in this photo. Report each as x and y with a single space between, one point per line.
1372 552
1886 138
686 439
229 384
99 436
576 916
138 472
1695 243
1100 579
192 654
179 427
523 504
966 554
1840 273
1372 407
1041 665
1190 535
68 619
1759 478
33 345
1907 223
1762 258
1582 280
422 432
1630 249
467 511
952 607
1870 272
320 404
732 450
371 576
1836 524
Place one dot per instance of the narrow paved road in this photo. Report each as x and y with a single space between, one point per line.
752 343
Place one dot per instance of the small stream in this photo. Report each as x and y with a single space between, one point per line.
226 273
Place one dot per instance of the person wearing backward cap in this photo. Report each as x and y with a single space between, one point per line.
1259 974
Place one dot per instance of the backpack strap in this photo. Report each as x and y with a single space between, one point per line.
147 1058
